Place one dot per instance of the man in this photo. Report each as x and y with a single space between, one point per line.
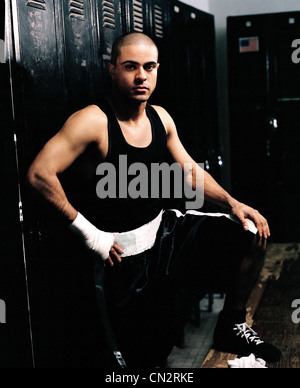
152 251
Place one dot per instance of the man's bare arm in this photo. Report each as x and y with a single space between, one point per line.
81 129
213 192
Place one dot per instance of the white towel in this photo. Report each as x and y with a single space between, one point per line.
247 362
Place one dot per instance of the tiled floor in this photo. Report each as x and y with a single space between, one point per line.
198 341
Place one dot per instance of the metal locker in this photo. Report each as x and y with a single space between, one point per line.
158 27
284 137
194 84
15 332
152 18
58 63
202 83
286 40
248 100
37 73
135 13
109 27
264 100
53 71
179 61
81 61
250 107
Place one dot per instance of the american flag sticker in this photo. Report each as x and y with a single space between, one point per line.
249 45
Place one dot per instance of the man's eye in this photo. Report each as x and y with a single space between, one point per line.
130 67
150 67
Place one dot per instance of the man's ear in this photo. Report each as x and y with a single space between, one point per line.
111 69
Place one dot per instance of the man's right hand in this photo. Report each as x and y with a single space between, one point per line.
114 254
99 242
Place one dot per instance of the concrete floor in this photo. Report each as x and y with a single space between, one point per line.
198 340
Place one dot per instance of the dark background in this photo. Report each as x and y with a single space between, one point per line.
57 63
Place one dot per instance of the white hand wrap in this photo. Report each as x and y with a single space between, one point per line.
98 241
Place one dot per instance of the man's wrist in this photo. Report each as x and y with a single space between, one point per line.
72 217
96 240
231 202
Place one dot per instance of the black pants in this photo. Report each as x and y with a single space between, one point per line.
194 251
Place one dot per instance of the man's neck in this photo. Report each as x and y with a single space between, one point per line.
126 109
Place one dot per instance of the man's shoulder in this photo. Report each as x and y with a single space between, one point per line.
88 123
94 111
159 109
164 116
91 116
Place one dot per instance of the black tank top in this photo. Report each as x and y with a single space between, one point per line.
123 214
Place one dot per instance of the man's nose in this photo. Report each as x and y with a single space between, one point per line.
141 75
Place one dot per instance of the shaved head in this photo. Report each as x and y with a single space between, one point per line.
133 38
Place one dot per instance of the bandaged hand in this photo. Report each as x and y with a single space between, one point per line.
96 240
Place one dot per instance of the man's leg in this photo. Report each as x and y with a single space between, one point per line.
232 334
213 252
246 276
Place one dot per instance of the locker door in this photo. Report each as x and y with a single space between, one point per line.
285 27
54 47
158 29
179 67
249 85
264 101
38 67
82 65
284 135
194 84
135 13
15 349
109 26
152 18
202 99
38 90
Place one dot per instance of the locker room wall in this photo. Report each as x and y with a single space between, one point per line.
203 5
54 72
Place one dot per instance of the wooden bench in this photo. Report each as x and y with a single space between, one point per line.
273 267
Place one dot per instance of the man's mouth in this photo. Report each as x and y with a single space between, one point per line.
140 89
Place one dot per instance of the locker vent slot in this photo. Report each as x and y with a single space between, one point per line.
158 21
108 14
39 4
138 20
76 9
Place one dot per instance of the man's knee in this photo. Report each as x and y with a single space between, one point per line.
258 247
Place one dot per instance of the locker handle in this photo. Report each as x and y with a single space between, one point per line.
273 122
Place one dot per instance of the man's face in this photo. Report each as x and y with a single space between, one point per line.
135 73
